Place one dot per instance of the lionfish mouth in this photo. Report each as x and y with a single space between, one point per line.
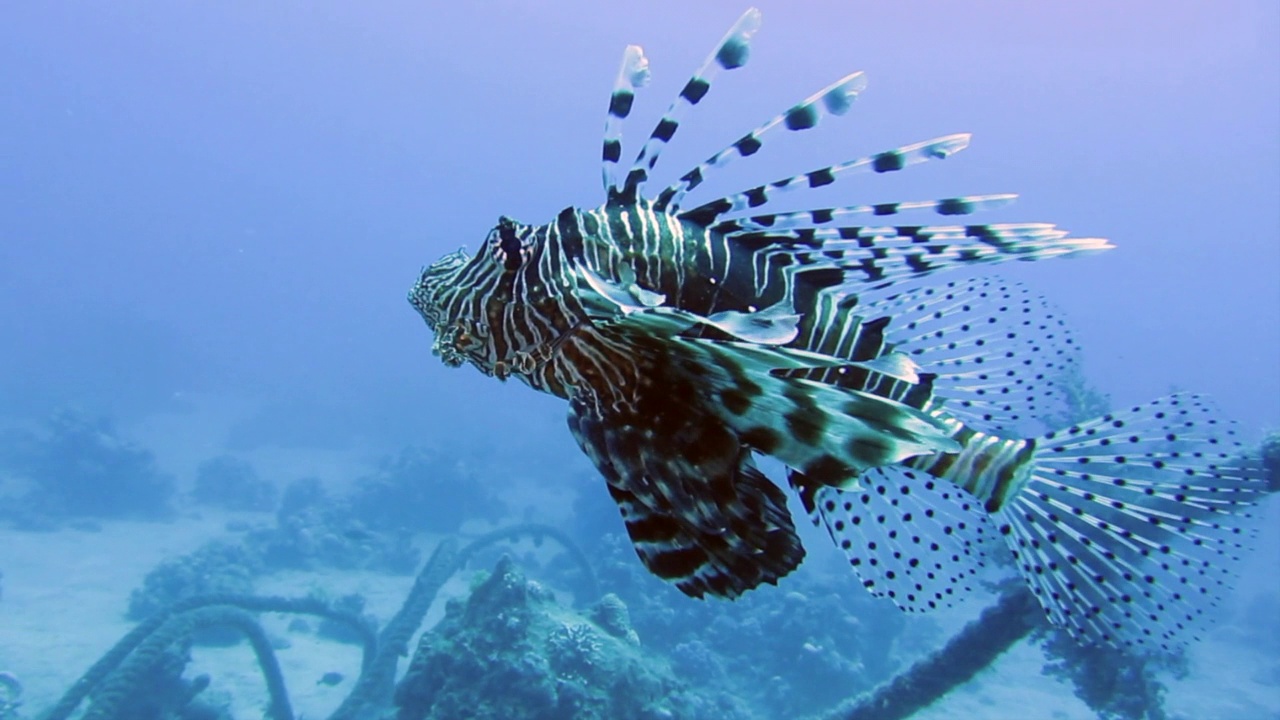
446 346
425 297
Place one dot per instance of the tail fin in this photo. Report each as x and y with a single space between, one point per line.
1129 526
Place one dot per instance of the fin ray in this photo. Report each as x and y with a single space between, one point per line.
1130 526
883 162
963 205
995 347
909 537
808 113
633 75
875 257
731 53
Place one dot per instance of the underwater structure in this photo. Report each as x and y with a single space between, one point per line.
688 342
513 649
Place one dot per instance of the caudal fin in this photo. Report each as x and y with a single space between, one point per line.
1129 527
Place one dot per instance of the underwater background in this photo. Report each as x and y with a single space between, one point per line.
211 383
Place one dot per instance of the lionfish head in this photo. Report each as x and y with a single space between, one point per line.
457 294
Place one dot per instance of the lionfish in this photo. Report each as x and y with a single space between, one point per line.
689 341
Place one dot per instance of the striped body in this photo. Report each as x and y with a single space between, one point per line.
516 309
689 341
989 467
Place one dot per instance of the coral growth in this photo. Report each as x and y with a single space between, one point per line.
123 683
142 666
10 696
314 534
81 467
1114 684
299 495
511 652
230 482
793 649
214 568
303 541
1270 452
324 534
419 489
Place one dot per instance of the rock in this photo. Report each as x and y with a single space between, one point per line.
512 652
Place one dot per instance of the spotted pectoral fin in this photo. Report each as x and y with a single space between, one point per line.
910 537
999 353
699 513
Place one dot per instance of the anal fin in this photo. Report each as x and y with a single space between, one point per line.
914 539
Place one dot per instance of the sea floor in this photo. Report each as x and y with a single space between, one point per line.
63 598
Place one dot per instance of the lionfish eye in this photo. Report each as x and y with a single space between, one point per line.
506 238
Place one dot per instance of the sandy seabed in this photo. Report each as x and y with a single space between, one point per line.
65 593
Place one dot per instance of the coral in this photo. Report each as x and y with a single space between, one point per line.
299 495
10 696
352 605
215 568
141 674
1080 400
123 676
323 534
230 482
587 577
418 489
573 649
794 649
1114 684
79 467
1270 452
611 615
510 651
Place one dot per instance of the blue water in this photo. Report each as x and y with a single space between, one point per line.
210 215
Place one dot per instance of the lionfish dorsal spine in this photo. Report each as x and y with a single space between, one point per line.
730 54
962 205
882 162
835 99
633 75
876 256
